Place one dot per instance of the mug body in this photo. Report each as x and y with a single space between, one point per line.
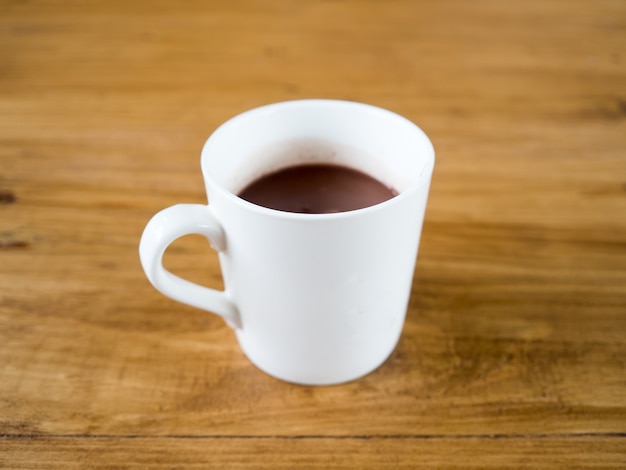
321 297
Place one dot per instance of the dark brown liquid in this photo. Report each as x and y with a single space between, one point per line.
317 189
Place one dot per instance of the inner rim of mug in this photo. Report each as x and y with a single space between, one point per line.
376 141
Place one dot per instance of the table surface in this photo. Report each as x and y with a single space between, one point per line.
514 349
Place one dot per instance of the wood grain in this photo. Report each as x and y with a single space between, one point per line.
513 353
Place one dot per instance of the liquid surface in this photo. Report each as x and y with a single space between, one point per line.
317 189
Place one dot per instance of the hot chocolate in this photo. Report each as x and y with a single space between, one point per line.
317 189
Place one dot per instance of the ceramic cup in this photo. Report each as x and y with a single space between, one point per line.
314 299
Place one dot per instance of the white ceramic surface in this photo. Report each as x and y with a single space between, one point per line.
314 298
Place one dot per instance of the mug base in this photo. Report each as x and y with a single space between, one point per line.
318 379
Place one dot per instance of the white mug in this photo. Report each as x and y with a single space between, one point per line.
314 299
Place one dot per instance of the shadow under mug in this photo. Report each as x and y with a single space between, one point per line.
314 299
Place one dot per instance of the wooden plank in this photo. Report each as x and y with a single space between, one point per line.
487 345
286 453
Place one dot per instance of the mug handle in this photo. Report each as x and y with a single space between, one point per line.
165 227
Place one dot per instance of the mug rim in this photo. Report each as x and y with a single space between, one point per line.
423 179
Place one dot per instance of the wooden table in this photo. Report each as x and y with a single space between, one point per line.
514 349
